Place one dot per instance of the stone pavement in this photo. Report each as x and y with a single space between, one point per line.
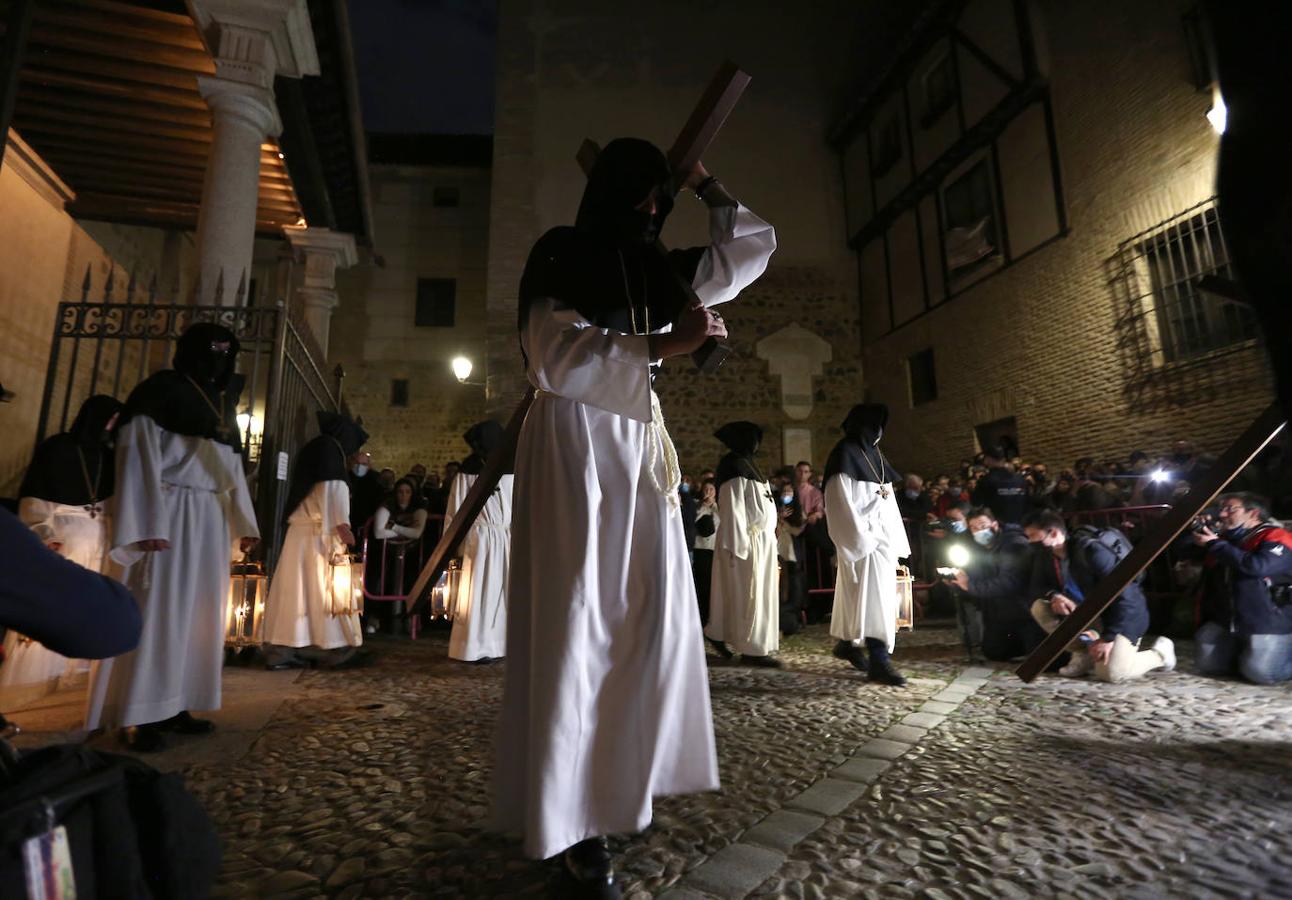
966 783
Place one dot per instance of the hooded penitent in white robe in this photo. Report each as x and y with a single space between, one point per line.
606 695
30 669
870 539
301 610
480 610
189 491
744 601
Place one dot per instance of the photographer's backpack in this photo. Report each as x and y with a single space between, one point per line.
117 827
1113 539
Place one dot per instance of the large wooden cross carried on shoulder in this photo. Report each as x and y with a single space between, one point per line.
689 148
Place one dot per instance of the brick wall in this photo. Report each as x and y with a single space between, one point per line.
373 334
1044 340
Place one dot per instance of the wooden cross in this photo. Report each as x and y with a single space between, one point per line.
1157 538
707 119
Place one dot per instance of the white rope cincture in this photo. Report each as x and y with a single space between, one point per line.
663 444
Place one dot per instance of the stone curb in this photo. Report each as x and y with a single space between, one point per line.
739 868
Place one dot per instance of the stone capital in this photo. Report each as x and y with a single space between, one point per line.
335 248
254 40
250 104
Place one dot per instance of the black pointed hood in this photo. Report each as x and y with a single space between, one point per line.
858 454
484 438
324 457
55 473
743 440
606 266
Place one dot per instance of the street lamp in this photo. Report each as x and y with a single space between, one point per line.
461 368
1218 115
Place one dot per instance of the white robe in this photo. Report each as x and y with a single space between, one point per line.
744 600
298 609
191 492
606 696
480 613
30 669
870 538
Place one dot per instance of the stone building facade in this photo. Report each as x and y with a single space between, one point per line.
570 69
1087 337
431 217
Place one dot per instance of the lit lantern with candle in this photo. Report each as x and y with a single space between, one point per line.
244 617
444 596
905 599
345 597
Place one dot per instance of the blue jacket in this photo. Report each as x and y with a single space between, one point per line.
1240 573
1086 563
66 607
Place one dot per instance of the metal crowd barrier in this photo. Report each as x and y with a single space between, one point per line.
409 557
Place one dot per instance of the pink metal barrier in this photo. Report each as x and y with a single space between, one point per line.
397 564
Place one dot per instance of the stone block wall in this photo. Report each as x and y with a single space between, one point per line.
1043 340
694 404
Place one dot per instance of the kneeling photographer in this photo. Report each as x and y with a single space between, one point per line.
1247 584
995 581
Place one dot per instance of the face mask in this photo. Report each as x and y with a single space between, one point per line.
959 527
360 470
1237 531
786 500
912 494
983 536
684 488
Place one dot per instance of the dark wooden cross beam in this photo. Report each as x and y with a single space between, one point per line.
696 136
1158 537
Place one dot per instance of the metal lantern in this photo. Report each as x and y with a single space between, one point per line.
905 599
345 593
245 615
444 596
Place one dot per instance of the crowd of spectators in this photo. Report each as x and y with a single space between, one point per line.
1031 544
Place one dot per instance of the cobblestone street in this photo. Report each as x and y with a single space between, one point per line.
965 783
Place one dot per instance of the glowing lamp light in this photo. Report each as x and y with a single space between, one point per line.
1218 115
958 556
461 368
249 423
1159 476
245 611
905 599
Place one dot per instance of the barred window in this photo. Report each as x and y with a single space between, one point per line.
1184 320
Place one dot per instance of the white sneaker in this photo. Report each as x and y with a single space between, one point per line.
1079 666
1165 649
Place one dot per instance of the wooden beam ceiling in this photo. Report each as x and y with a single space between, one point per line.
108 96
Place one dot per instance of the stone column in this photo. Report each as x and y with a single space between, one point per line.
251 41
322 251
243 117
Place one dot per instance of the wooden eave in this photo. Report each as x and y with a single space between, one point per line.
108 97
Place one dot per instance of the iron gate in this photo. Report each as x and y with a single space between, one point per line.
111 345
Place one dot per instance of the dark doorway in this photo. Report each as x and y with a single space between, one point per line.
1003 432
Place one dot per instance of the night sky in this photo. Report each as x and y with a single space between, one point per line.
425 66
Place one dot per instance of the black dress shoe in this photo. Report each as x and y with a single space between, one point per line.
762 662
851 653
589 867
882 671
721 648
357 660
293 663
184 723
144 738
